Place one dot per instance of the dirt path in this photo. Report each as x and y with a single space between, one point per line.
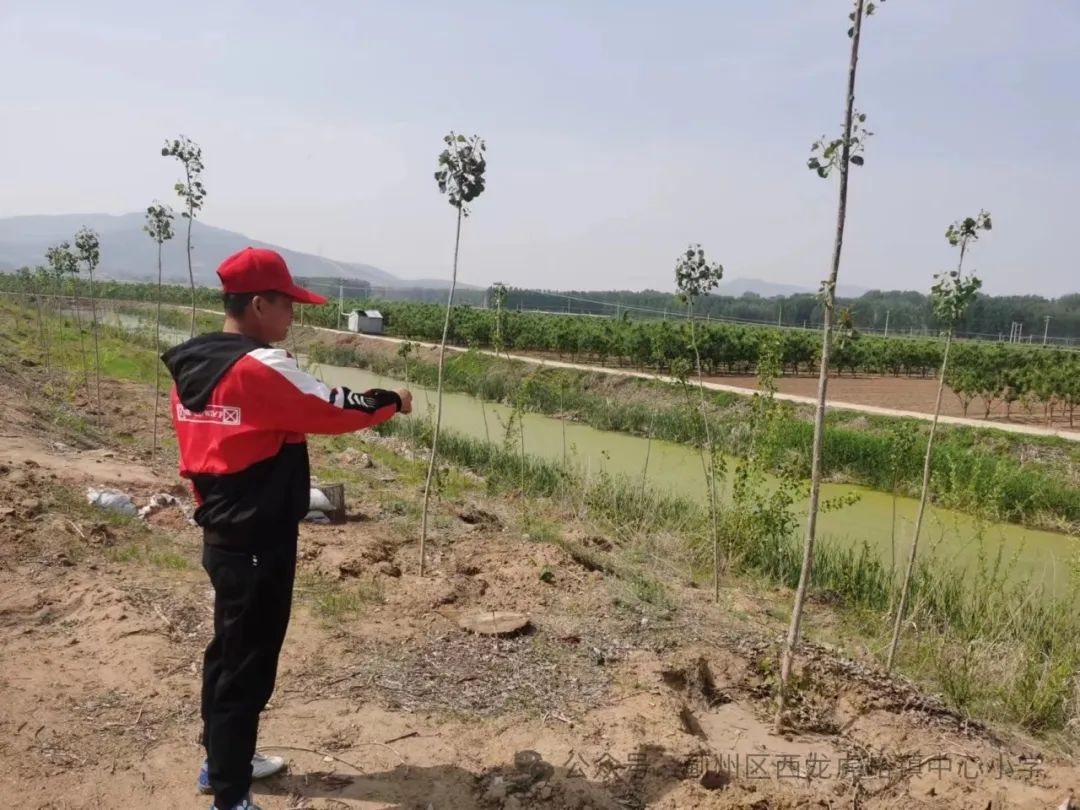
614 698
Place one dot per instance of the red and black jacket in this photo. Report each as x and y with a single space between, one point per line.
241 409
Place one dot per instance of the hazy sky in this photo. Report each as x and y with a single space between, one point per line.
617 131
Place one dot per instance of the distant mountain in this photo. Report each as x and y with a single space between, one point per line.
738 287
128 254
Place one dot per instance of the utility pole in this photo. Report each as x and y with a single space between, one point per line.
1046 328
340 303
886 323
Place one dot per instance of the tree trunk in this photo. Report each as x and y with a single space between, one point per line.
709 466
562 420
498 328
438 398
157 363
190 271
97 353
25 301
60 333
521 443
919 516
823 382
42 331
648 451
82 345
892 537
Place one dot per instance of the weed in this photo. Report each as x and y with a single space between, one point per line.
148 554
334 602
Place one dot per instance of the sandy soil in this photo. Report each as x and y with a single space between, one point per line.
605 702
906 394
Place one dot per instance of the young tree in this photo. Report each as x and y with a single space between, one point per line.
694 278
159 219
191 191
952 295
902 436
461 178
88 251
63 266
825 158
56 277
1069 373
41 287
498 292
405 350
845 342
25 285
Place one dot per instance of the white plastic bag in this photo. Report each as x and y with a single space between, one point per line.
159 501
112 500
318 501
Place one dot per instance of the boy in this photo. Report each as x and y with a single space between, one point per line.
241 408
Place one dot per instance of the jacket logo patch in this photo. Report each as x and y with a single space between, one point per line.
217 414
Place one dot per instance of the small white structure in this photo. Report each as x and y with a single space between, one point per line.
368 321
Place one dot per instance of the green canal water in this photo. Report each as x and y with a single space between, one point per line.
954 539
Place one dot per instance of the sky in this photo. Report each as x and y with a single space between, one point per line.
617 131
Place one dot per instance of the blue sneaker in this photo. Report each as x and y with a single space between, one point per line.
261 767
244 805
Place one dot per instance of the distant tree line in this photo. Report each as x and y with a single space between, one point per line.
988 315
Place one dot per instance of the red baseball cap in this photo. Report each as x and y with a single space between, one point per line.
260 269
